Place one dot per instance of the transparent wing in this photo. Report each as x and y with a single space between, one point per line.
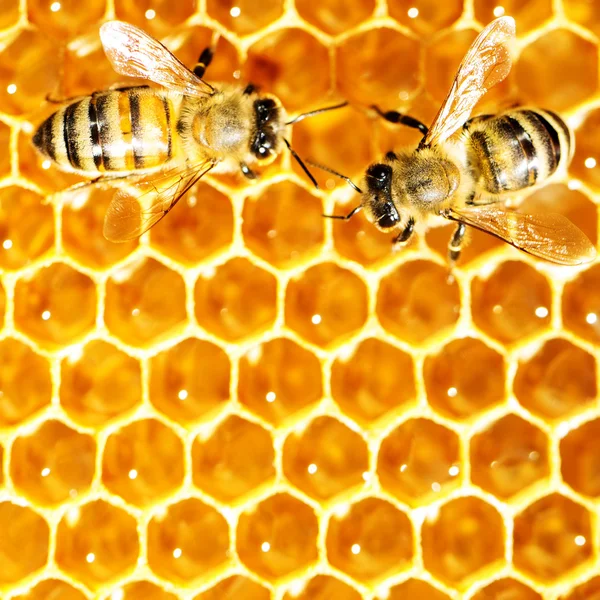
133 53
548 235
134 211
486 63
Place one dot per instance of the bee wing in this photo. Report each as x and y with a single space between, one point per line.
486 63
129 215
548 235
133 53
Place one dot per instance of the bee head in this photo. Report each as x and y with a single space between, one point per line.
379 206
265 140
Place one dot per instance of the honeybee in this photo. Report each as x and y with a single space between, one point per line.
469 178
161 140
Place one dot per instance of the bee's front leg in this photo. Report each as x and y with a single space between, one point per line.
456 243
406 233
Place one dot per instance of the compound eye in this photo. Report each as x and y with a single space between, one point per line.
379 175
389 219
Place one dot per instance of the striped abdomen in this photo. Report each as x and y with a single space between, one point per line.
112 131
518 148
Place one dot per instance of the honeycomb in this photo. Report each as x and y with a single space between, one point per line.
251 402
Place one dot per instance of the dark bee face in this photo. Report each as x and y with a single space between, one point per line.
379 182
264 141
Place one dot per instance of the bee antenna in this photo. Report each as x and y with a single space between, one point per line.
346 179
312 113
301 163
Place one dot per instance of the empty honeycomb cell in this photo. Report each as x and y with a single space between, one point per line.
417 302
236 300
326 304
82 235
506 589
55 305
237 587
586 591
419 461
579 452
551 537
586 161
322 587
244 16
371 540
425 17
563 52
415 588
143 462
52 464
189 234
325 458
512 303
279 378
50 589
461 540
283 225
584 12
4 142
187 541
368 67
64 19
508 456
29 68
558 380
140 590
335 16
26 227
233 459
189 380
581 305
277 537
155 14
138 310
90 379
372 380
465 378
96 543
528 15
9 14
25 384
23 543
291 64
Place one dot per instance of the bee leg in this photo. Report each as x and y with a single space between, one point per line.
456 242
395 117
204 61
247 171
406 233
345 217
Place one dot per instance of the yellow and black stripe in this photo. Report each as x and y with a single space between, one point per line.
114 131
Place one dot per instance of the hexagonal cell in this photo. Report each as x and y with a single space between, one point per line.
4 142
155 14
528 14
52 588
277 536
201 226
415 588
558 51
585 13
140 590
463 538
586 161
237 587
90 376
335 16
66 19
25 384
9 14
511 303
26 227
430 16
419 461
52 464
55 305
374 379
581 305
322 587
586 591
326 304
190 380
137 309
273 64
283 225
506 589
509 456
29 70
143 462
187 541
551 537
368 67
416 302
278 379
325 458
96 543
82 232
372 540
579 451
23 544
233 459
558 380
244 17
464 379
236 300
